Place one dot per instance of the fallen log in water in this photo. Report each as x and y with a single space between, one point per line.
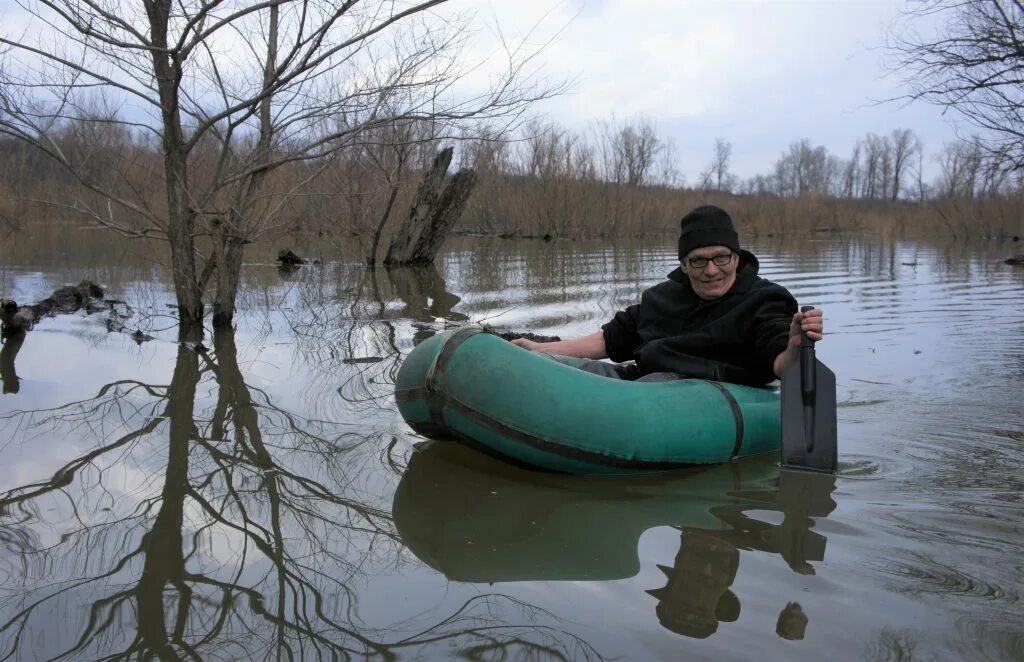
16 321
513 335
65 300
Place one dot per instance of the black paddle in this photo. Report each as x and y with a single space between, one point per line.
809 439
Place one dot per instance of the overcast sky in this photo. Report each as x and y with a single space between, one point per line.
761 74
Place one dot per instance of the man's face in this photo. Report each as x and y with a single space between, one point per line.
712 280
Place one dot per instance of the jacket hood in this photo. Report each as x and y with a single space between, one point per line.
746 274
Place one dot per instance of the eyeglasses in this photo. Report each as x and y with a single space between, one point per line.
702 262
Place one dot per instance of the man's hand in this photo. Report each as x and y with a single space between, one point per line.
810 322
587 347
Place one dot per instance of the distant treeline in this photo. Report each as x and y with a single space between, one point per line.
616 179
620 178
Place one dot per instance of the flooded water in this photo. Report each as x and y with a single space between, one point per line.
261 498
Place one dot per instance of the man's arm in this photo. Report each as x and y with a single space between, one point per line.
812 323
587 347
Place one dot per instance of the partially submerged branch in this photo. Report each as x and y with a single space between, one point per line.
65 300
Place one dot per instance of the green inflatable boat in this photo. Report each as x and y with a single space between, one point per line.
477 388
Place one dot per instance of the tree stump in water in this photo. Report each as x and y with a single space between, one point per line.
434 213
290 259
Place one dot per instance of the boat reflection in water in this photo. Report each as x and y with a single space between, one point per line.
478 519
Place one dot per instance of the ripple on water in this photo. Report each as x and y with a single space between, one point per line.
919 573
991 636
861 469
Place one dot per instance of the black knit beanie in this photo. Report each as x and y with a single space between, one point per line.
707 226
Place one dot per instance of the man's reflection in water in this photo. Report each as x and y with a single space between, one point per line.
478 519
792 622
696 596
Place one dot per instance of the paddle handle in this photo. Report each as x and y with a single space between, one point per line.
807 358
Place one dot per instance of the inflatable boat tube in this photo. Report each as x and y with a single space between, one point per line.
477 388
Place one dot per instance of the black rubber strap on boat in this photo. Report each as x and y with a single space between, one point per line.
410 394
435 400
736 414
553 447
444 357
436 428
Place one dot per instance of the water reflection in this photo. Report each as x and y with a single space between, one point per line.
426 298
927 344
424 292
696 596
476 519
217 524
359 333
12 343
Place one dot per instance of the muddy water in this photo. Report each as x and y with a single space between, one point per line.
260 497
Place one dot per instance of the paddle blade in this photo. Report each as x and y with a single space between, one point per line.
809 436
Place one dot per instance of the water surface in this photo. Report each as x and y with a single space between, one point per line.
260 497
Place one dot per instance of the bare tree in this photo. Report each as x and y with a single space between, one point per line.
803 170
852 174
877 166
960 163
234 93
904 146
923 190
972 64
716 176
668 167
633 148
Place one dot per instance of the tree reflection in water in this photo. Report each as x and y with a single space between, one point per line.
216 526
454 503
353 331
12 343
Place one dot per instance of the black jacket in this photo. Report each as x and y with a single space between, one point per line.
734 338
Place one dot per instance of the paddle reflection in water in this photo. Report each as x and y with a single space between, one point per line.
477 519
215 524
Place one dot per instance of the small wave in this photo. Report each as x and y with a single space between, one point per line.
921 574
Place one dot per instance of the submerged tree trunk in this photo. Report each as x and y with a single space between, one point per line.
379 231
227 257
229 234
180 218
183 266
434 213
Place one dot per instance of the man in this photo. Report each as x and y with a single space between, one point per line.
714 318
